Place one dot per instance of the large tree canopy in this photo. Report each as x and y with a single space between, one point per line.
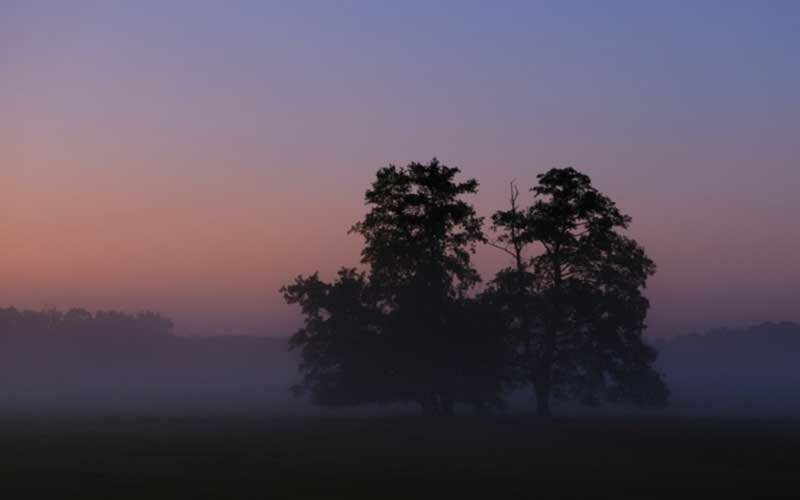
576 305
567 317
399 332
419 233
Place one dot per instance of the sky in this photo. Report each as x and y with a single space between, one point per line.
192 157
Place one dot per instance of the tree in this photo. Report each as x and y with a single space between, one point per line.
401 325
116 326
576 307
344 357
419 236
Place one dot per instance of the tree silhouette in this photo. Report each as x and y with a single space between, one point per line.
405 330
567 319
576 308
419 236
113 325
343 349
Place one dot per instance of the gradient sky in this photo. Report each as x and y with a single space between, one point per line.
191 157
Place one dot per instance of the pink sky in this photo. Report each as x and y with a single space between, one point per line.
193 161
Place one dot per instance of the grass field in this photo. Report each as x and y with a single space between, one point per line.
395 457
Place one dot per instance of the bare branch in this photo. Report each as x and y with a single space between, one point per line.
500 247
514 195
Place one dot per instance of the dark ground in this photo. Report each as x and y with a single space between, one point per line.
395 457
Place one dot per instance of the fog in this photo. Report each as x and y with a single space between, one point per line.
74 363
749 371
110 363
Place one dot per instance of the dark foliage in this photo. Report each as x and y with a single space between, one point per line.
342 343
404 331
576 306
567 317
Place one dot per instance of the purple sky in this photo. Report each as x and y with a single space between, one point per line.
191 157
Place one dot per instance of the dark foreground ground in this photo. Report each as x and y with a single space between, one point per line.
398 457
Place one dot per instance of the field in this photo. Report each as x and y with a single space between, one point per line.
390 457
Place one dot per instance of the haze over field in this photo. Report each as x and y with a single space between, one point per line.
116 366
192 157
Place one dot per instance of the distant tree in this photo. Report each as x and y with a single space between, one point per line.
575 307
9 319
400 327
77 317
81 323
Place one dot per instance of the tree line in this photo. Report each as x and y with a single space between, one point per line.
412 325
82 323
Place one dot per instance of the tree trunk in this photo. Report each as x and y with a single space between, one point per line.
544 382
448 406
542 389
430 405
